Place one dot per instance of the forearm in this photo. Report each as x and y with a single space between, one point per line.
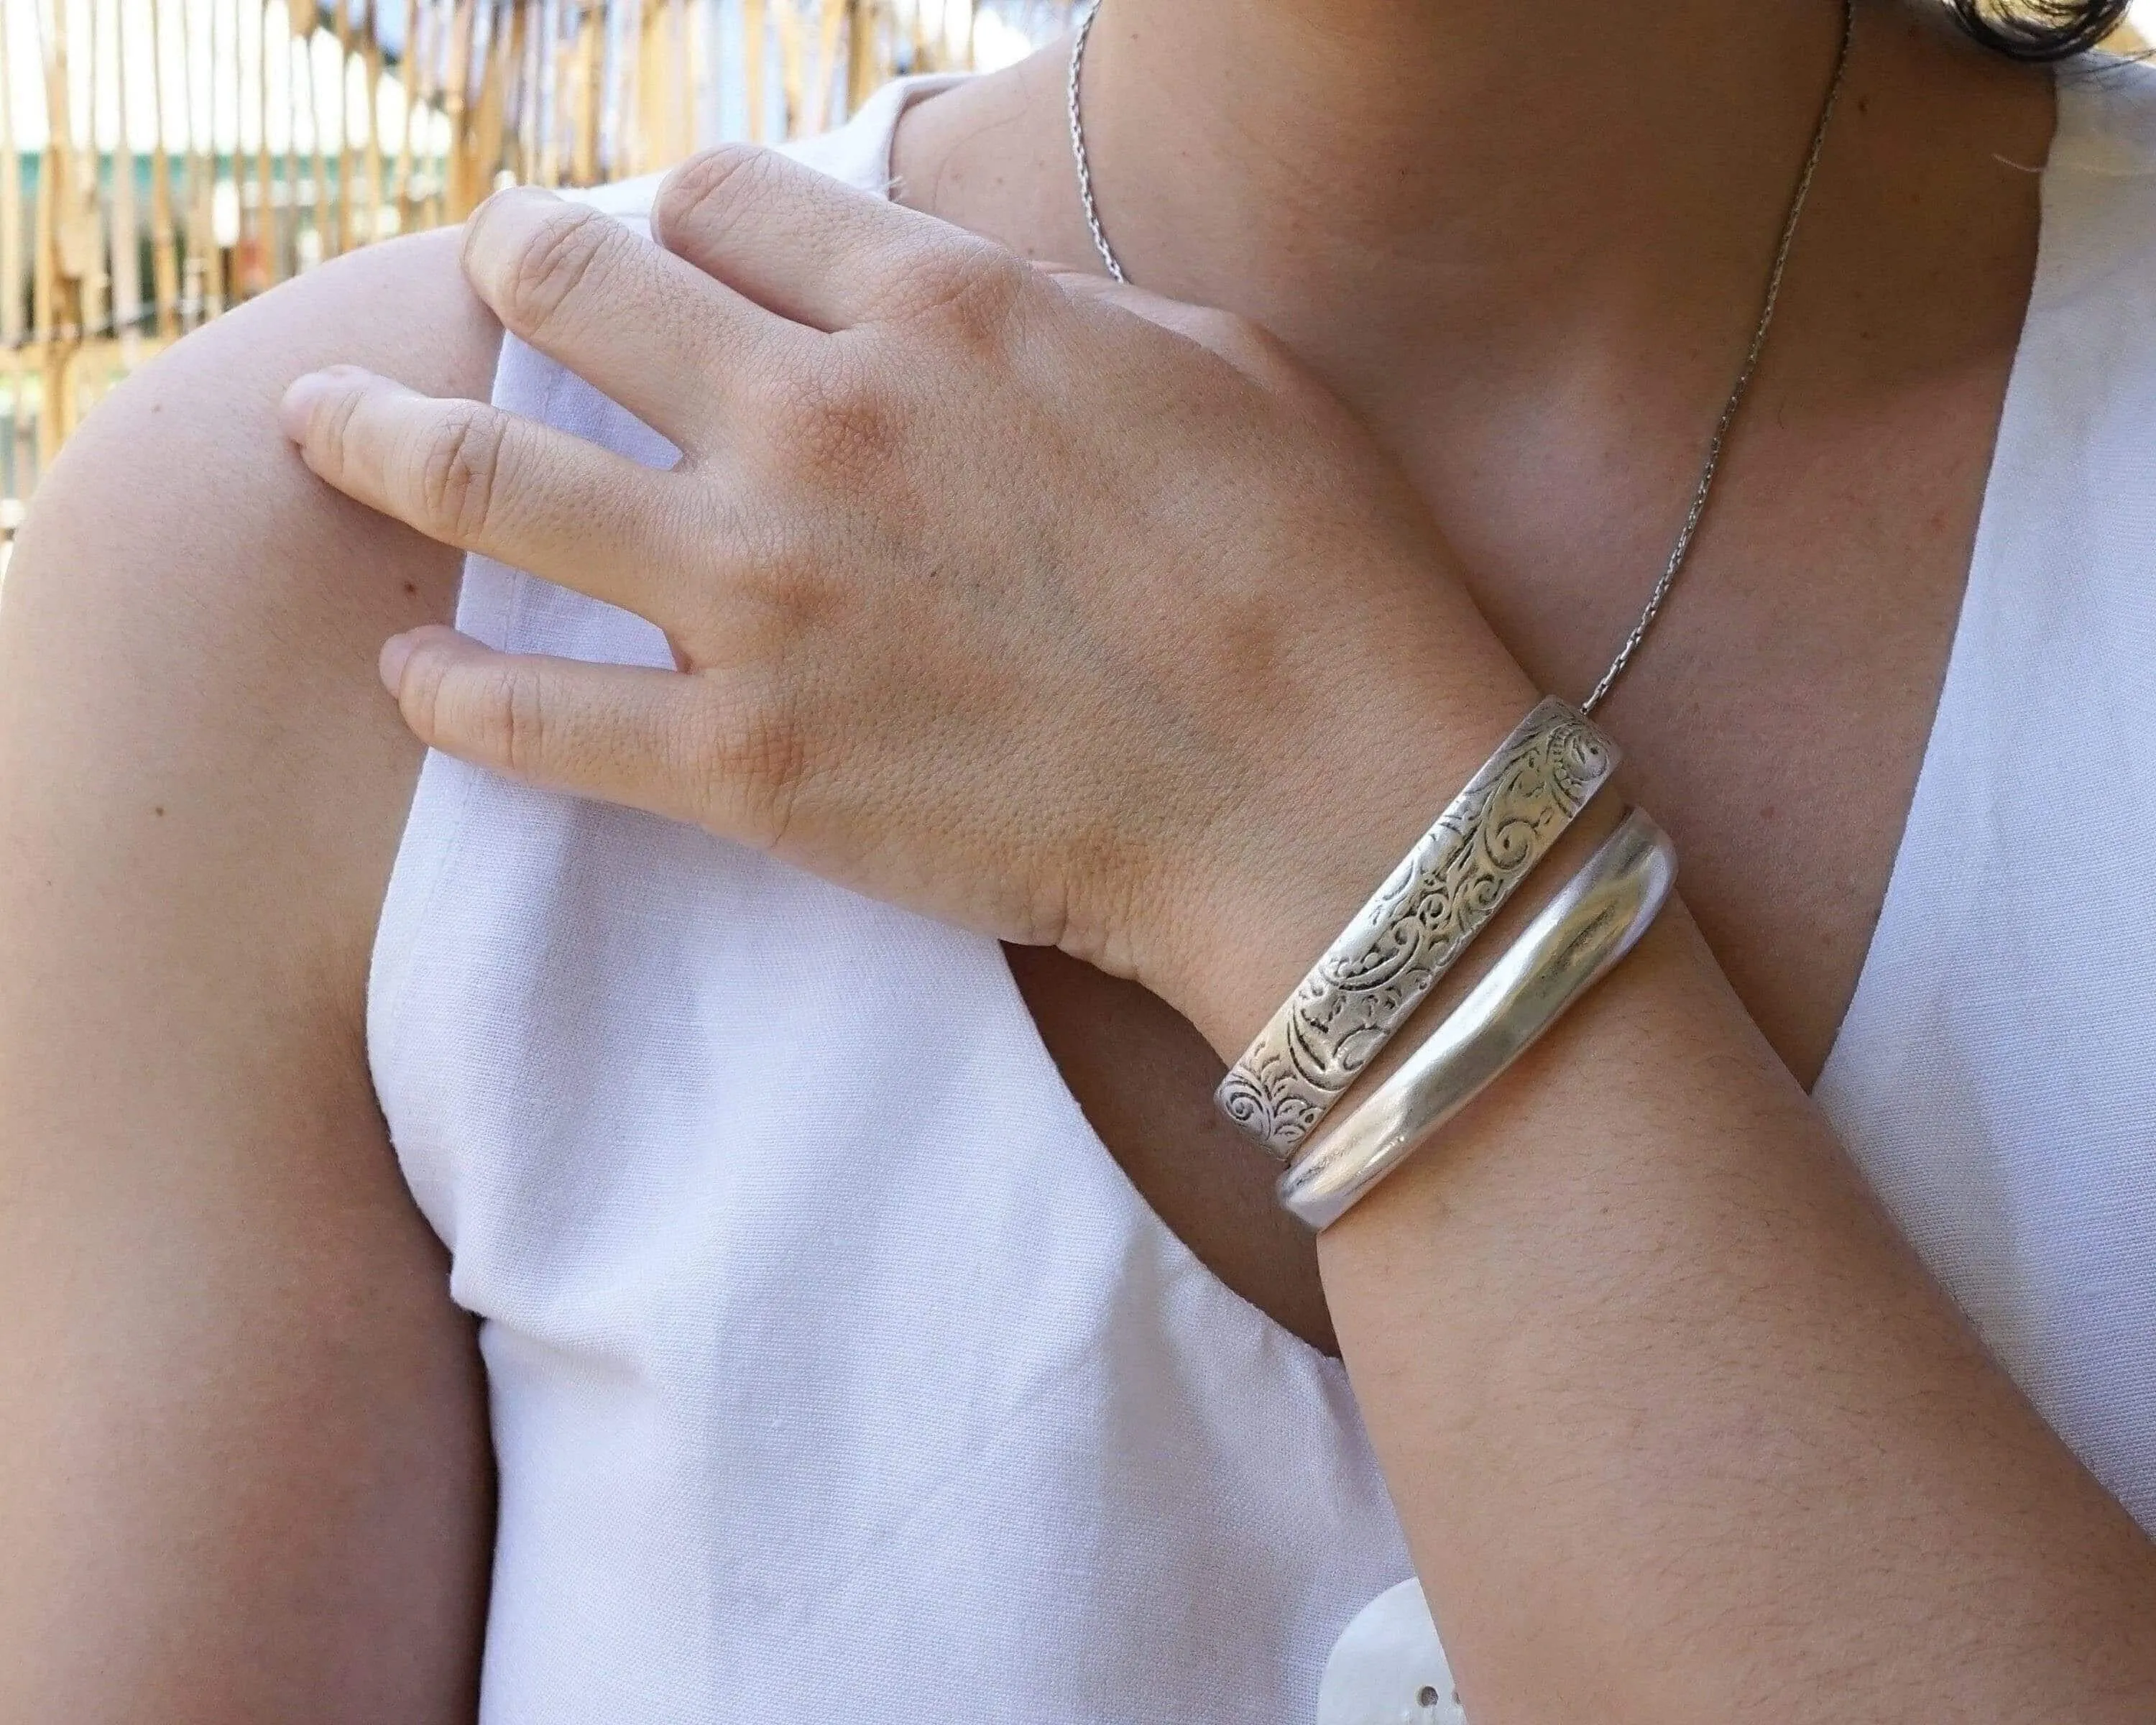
1679 1430
1674 1426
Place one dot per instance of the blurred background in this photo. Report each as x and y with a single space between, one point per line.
163 159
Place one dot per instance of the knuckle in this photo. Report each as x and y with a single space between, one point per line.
842 421
517 703
776 574
330 432
420 698
701 188
754 758
459 471
973 292
552 273
791 593
496 710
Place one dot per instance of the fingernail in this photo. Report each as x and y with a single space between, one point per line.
298 404
396 653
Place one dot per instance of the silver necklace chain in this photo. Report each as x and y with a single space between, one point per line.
1704 487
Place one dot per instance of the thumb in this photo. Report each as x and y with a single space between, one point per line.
623 734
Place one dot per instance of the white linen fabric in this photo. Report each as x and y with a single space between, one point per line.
833 1382
1995 1074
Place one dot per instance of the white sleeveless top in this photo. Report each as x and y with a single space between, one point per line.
827 1386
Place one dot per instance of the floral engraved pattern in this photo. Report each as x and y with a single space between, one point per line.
1416 924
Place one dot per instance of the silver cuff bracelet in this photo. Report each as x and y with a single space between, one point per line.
1572 941
1415 924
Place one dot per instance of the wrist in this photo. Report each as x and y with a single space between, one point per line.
1288 869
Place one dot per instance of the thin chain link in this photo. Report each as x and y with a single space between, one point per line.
1712 465
1078 147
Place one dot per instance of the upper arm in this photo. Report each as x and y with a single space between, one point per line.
243 1456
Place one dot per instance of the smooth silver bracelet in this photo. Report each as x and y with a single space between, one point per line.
1415 926
1572 942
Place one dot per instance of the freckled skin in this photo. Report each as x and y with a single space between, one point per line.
1675 1430
1829 572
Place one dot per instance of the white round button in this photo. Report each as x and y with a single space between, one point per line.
1388 1667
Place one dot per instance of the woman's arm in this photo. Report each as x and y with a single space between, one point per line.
998 602
1680 1431
244 1470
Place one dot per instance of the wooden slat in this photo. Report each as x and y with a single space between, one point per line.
864 67
549 90
347 175
194 267
701 75
682 32
88 241
291 50
54 301
371 81
490 120
202 247
126 266
830 23
320 220
408 81
14 281
224 29
268 228
164 249
555 148
456 76
522 148
587 76
792 95
754 48
18 450
657 142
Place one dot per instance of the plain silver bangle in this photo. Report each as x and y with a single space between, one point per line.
1415 924
1571 943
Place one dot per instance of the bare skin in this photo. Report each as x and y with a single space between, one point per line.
242 1426
1832 567
1716 1212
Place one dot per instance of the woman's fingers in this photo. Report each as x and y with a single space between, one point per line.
472 476
656 334
809 247
689 747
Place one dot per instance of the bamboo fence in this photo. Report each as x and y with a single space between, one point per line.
193 153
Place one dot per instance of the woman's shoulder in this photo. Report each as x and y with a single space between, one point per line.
234 602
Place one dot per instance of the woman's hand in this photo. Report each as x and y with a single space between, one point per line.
1062 611
996 599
